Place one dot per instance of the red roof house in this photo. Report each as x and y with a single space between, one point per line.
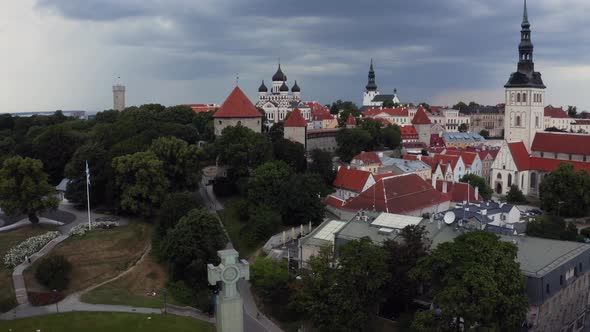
404 194
459 191
352 179
237 105
351 121
555 112
409 133
561 143
367 158
525 162
295 119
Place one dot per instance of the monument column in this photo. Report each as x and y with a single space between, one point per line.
229 311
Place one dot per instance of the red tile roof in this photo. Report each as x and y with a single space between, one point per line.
351 120
237 105
394 112
437 141
408 132
421 117
351 179
520 155
468 157
398 194
561 143
458 191
549 165
296 119
368 157
378 177
555 112
334 201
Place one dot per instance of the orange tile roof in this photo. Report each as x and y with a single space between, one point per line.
351 179
296 119
421 117
237 105
561 143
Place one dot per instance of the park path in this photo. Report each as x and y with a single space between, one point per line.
254 320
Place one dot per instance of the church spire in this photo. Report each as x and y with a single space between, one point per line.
525 15
371 85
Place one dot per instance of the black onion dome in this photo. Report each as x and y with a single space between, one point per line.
279 76
262 87
295 88
284 87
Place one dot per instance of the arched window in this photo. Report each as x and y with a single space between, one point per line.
239 123
524 97
509 180
534 181
518 121
499 177
518 97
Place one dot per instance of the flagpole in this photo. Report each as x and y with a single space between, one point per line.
88 194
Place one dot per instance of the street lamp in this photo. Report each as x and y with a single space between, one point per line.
165 307
55 299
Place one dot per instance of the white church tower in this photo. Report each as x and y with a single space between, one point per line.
371 88
525 93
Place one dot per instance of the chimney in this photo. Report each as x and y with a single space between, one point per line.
476 192
444 186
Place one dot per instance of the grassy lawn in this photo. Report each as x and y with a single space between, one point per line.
134 288
230 218
7 241
107 321
98 256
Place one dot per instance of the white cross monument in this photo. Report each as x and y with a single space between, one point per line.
229 311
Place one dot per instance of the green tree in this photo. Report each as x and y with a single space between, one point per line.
300 200
351 142
263 222
484 133
54 147
477 181
174 207
552 227
321 164
179 160
242 149
475 281
473 104
373 127
402 256
53 272
515 195
326 295
267 182
277 131
572 111
392 136
205 128
142 182
191 245
270 279
24 188
566 191
389 104
101 175
292 153
459 106
463 128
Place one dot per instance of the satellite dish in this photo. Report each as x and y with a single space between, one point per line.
449 217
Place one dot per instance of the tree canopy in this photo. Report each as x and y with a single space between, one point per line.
191 245
351 142
142 182
24 188
321 164
326 297
566 191
477 181
515 195
180 162
475 281
242 149
552 227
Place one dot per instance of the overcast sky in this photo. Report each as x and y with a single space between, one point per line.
66 54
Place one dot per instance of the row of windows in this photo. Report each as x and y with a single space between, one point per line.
568 275
522 97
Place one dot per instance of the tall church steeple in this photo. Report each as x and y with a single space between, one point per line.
525 76
371 85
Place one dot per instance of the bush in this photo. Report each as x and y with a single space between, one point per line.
17 255
40 299
585 232
201 299
53 272
515 196
81 229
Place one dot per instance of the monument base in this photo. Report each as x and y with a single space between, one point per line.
230 314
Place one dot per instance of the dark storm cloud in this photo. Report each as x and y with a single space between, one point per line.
422 47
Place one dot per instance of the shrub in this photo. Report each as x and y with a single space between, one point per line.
40 299
53 272
17 254
81 229
585 232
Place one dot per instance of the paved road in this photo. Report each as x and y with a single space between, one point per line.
251 323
